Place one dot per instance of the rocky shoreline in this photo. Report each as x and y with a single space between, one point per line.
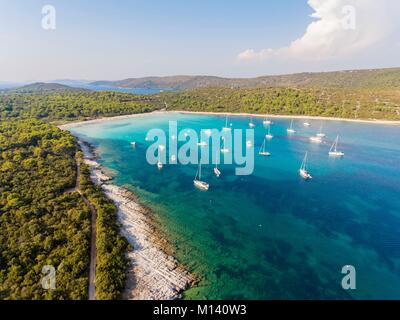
154 274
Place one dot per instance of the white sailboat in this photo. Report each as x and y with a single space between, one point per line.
159 163
320 133
266 121
224 148
133 144
226 128
251 123
202 144
303 169
263 151
291 130
269 135
197 180
333 152
307 124
316 139
217 172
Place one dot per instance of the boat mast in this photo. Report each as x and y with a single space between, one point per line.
200 170
197 174
303 165
262 150
334 145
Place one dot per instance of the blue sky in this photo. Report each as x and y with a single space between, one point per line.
119 39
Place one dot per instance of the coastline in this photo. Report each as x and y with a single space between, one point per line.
75 124
153 273
272 116
71 125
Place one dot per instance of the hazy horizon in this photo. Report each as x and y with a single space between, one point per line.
243 39
88 81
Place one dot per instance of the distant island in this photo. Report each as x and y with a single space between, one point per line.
42 87
356 79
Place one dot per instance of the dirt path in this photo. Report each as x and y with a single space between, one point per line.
92 266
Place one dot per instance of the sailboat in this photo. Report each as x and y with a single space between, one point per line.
263 152
266 121
269 135
226 128
133 144
316 139
307 124
224 148
251 123
303 169
321 134
217 172
197 180
333 152
159 163
291 130
202 144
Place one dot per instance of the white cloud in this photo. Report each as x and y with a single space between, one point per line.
342 28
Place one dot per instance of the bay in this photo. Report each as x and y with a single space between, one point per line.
272 235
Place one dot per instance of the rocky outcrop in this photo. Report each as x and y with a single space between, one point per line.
154 274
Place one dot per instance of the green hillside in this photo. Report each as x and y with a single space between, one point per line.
356 79
41 87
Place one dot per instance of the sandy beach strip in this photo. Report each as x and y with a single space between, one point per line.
154 274
71 125
299 117
74 124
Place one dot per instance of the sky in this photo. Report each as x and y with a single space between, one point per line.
112 40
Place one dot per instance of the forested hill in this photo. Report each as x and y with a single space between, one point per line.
341 103
44 221
354 79
330 102
42 87
41 223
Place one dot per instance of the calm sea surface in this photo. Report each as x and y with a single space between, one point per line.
272 235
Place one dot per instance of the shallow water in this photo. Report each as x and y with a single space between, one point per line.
272 235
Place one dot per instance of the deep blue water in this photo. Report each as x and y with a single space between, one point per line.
272 235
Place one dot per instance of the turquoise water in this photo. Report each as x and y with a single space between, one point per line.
272 235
